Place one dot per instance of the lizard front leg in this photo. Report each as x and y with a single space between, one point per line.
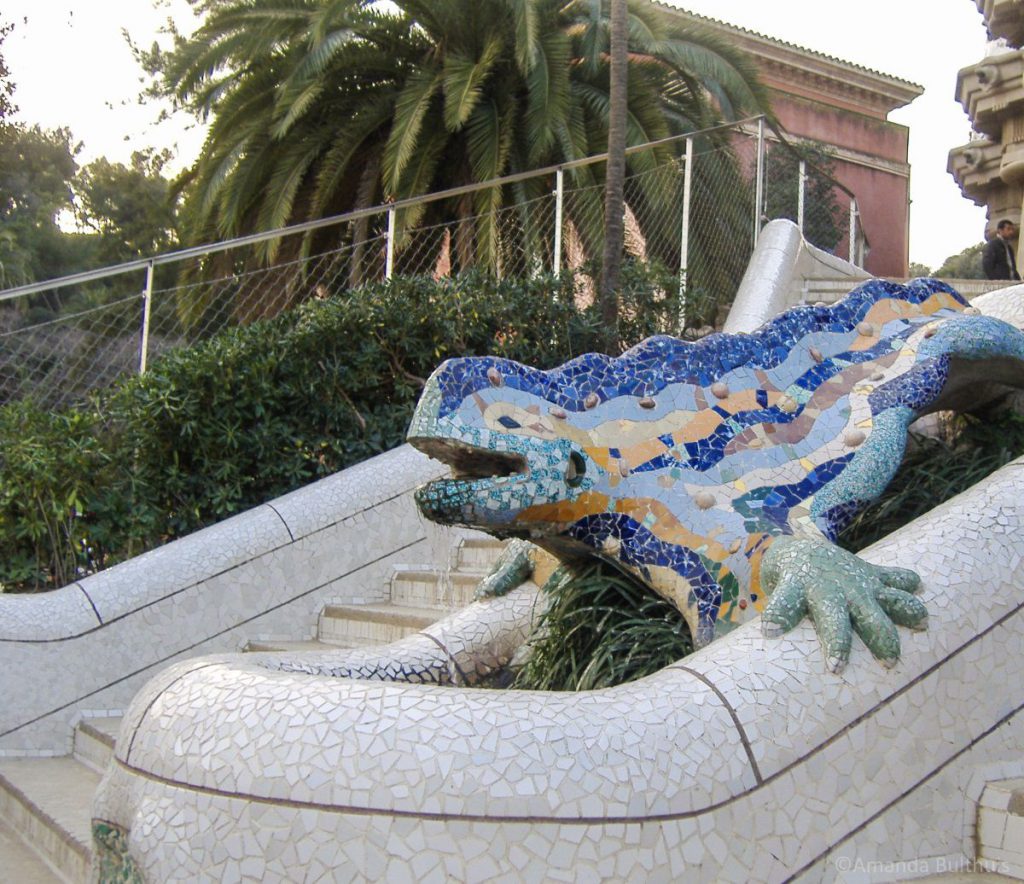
843 594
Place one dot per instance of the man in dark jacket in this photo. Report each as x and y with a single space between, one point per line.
998 260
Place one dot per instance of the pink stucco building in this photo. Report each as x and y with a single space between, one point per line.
846 108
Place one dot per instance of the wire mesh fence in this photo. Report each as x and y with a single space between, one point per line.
693 204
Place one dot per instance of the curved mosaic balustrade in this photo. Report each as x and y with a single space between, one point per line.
778 274
94 643
746 760
460 649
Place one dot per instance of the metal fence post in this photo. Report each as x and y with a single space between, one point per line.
759 185
389 261
684 235
147 304
853 230
801 195
559 198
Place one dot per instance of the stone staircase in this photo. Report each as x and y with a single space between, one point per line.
1000 835
828 290
46 802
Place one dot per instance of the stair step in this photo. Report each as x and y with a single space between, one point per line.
1000 829
432 588
48 802
94 741
357 625
829 290
479 552
20 863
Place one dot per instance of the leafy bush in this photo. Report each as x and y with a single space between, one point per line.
48 465
601 628
262 409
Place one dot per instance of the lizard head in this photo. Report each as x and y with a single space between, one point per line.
504 430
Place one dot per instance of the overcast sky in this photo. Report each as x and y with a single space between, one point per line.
72 67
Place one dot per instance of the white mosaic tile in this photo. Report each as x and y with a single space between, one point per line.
522 786
155 575
211 591
48 616
356 489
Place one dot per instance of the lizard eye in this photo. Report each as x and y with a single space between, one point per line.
509 423
577 470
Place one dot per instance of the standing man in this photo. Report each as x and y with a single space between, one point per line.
998 260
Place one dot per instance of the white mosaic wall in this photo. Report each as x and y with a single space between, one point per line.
266 572
746 761
778 274
1001 825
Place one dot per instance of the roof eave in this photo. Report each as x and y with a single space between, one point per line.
892 92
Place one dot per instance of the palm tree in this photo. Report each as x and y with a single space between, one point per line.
321 106
615 198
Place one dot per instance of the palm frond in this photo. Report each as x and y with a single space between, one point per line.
548 92
463 82
526 16
287 176
348 142
411 107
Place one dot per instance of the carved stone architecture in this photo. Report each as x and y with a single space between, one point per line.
845 107
1004 18
990 168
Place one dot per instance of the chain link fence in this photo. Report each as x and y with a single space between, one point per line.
694 204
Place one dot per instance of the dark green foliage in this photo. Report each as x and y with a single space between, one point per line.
963 265
37 167
48 467
935 470
262 409
601 628
130 207
7 106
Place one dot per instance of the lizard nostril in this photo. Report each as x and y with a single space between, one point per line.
576 471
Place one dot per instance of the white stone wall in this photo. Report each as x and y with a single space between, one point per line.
266 572
745 761
780 274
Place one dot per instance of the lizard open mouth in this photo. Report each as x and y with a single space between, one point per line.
468 462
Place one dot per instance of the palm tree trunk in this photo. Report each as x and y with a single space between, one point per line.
361 226
614 203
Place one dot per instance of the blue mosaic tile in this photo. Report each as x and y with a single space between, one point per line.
685 462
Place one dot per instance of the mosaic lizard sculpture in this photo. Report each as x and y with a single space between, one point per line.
720 472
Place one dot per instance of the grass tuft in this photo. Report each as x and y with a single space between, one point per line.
601 628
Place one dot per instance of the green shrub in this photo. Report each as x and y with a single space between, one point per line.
48 466
601 628
259 410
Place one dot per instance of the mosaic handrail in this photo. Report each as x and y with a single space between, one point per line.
745 761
